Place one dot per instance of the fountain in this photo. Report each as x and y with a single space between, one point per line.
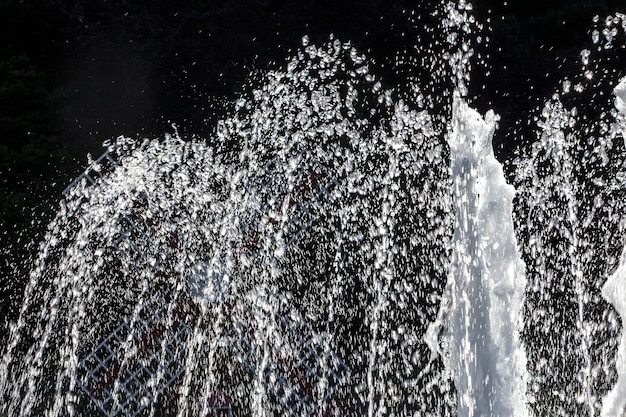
334 251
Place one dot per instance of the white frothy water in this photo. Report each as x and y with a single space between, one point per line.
481 310
614 290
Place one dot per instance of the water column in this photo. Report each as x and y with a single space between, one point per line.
614 291
485 288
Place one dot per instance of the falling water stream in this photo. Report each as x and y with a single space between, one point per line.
332 250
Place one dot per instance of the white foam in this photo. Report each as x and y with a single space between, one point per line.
487 280
614 291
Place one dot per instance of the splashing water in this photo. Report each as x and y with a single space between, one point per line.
333 251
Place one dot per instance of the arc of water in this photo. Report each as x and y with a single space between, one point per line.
106 377
51 301
316 190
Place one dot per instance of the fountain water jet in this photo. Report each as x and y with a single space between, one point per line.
614 290
486 284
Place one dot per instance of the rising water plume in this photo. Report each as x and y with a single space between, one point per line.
333 250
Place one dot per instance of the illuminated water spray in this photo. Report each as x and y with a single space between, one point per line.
333 251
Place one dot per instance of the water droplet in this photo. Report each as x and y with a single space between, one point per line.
362 70
566 86
584 54
595 36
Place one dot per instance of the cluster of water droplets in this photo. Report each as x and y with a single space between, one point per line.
301 210
333 250
570 188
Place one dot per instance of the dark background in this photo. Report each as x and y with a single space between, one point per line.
74 73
